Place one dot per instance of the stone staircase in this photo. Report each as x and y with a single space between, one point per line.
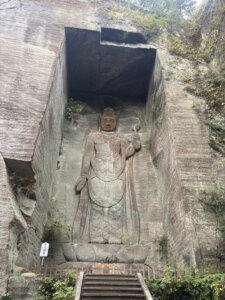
113 287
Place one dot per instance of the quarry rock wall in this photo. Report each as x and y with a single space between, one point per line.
44 164
33 98
182 156
11 217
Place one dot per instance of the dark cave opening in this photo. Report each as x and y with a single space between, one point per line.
100 67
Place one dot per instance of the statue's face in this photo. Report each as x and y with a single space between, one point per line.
108 123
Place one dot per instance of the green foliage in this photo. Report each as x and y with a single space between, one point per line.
16 274
52 231
112 15
5 296
187 43
187 40
186 287
214 199
110 260
162 244
150 24
217 137
212 88
58 289
155 16
73 108
175 46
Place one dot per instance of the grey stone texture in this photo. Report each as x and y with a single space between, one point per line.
9 215
184 163
33 96
24 287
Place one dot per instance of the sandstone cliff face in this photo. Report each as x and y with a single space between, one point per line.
11 224
183 160
32 102
33 97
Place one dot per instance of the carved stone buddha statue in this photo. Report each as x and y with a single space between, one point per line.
103 183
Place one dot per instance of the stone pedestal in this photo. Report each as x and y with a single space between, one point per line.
108 253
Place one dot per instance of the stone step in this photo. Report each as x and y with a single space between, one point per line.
112 288
109 275
114 278
112 295
114 283
112 298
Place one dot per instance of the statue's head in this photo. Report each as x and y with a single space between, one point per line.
108 120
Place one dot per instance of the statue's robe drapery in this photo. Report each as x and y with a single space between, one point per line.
107 211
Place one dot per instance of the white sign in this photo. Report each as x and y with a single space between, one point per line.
44 250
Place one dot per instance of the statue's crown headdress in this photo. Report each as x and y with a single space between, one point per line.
108 112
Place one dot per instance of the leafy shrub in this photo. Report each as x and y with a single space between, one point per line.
214 200
148 23
5 296
209 287
58 289
217 138
52 230
175 46
212 88
73 109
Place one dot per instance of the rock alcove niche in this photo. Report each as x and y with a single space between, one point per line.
111 68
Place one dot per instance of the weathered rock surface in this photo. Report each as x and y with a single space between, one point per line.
29 52
183 159
26 205
23 287
9 215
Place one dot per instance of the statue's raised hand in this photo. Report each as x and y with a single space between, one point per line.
136 141
80 183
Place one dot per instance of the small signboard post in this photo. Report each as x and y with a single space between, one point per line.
44 251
